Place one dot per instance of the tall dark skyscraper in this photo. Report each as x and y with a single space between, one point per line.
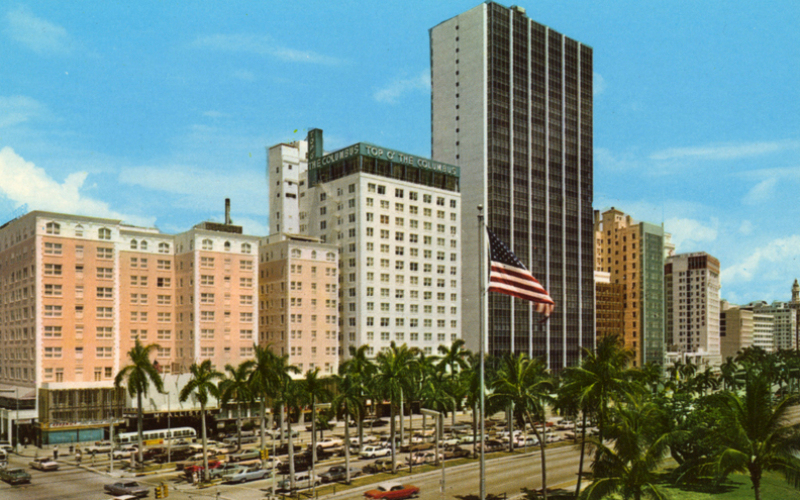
512 106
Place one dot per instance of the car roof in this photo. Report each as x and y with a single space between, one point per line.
389 485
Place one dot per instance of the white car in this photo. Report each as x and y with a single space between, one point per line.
329 443
44 464
125 452
375 452
99 447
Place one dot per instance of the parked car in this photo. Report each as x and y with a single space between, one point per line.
125 452
393 491
15 475
99 447
423 457
338 473
245 455
375 451
451 441
302 480
244 474
224 470
132 488
417 447
455 452
44 464
302 462
380 465
330 442
276 433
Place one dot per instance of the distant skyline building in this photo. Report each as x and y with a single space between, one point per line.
784 323
632 253
692 286
512 106
609 306
736 330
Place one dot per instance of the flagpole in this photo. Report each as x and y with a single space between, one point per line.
481 273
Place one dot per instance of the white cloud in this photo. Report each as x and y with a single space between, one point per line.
688 232
598 83
261 45
39 35
23 182
391 93
746 228
18 109
782 251
724 151
247 190
761 192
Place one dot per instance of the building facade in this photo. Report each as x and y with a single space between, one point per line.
512 106
396 218
298 297
609 306
736 330
692 287
632 253
79 291
784 323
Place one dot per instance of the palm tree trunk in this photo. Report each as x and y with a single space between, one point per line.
205 442
139 420
360 431
313 432
755 478
263 429
392 427
474 429
347 444
281 423
291 451
580 463
239 425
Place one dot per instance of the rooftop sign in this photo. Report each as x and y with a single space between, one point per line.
371 151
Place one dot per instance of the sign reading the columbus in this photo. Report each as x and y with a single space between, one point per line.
393 156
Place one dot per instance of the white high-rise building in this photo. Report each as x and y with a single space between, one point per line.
693 305
286 165
396 220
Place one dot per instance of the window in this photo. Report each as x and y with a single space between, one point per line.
52 332
245 334
105 253
52 311
52 248
103 352
52 352
53 228
246 265
163 248
53 290
104 292
162 282
207 262
52 269
207 245
164 334
247 317
134 245
246 282
164 265
206 315
106 312
164 317
246 248
207 279
104 332
104 233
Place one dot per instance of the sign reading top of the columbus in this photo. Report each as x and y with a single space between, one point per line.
314 140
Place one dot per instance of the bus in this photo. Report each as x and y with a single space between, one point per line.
157 436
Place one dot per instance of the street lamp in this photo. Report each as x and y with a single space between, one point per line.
439 426
16 421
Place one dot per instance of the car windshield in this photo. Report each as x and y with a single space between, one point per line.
16 472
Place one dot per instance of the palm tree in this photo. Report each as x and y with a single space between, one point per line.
291 396
362 370
237 387
627 467
756 433
202 385
315 390
525 385
391 379
453 361
139 374
347 403
263 384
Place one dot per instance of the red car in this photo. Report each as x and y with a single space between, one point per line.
212 464
393 491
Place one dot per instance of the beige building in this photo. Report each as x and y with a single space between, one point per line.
632 253
693 305
299 301
736 330
78 291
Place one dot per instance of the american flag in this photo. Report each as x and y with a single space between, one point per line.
509 276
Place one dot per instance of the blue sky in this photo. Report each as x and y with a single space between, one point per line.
154 112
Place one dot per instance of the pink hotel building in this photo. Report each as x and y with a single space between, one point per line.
76 292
